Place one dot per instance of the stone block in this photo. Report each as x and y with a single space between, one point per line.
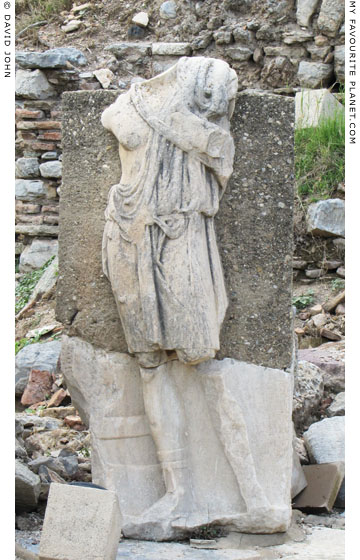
27 487
240 54
325 440
326 218
80 523
339 54
313 106
250 405
305 9
331 16
38 387
37 231
51 169
308 392
337 407
33 85
53 58
314 74
35 356
27 168
254 228
27 189
323 484
37 254
330 358
133 51
171 49
168 9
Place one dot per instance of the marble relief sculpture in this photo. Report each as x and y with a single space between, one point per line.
161 257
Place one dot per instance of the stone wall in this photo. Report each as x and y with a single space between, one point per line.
254 228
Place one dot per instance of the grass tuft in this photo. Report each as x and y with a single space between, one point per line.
320 158
32 11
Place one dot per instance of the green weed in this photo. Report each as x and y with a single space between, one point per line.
320 158
20 344
337 285
26 285
303 301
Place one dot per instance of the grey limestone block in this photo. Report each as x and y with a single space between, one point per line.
33 85
28 189
331 16
27 487
51 169
314 74
34 256
327 218
80 523
53 58
254 227
27 168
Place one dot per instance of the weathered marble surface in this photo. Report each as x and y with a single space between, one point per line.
253 228
232 463
159 244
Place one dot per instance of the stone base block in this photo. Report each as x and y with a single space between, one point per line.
234 464
80 523
323 484
312 106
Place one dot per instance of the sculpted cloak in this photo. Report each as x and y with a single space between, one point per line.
159 245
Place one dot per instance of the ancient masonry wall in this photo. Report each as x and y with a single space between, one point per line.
284 47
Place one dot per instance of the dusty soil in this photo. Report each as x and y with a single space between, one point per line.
42 314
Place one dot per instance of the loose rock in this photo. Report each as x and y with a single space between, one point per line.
33 85
308 392
337 407
38 387
34 256
35 356
314 74
330 358
27 487
326 218
104 76
73 25
141 19
168 10
325 440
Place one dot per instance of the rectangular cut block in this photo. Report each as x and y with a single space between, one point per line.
80 523
314 106
238 438
323 485
253 226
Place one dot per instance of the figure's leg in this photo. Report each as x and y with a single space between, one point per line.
166 416
229 423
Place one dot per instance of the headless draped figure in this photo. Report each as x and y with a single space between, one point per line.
159 245
161 257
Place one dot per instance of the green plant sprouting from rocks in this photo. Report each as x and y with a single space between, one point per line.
27 284
304 300
320 158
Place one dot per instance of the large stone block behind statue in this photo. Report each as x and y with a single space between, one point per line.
184 445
